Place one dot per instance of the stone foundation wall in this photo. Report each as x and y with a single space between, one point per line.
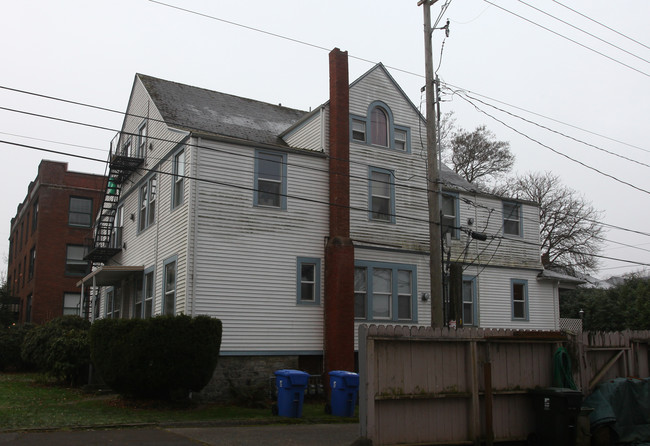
239 377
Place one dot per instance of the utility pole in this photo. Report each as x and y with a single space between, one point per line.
433 176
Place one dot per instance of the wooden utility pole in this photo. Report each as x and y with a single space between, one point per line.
433 176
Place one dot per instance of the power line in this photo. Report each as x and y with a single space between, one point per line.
603 25
567 38
585 32
557 152
560 133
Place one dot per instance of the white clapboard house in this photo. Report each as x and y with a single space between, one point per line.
294 227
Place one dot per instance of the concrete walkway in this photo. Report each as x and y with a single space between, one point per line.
286 435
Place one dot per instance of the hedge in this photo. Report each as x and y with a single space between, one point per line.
11 341
59 348
162 357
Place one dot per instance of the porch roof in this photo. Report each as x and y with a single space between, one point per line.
108 275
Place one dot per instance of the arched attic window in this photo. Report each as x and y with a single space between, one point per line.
379 127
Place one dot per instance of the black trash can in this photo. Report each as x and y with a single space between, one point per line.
556 416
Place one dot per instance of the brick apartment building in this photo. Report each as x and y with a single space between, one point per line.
48 241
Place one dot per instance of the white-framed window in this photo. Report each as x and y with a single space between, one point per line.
512 219
113 303
169 286
469 301
270 179
148 292
308 280
72 304
142 141
147 214
381 195
178 182
385 291
126 148
118 225
80 212
400 139
75 265
358 130
450 218
519 295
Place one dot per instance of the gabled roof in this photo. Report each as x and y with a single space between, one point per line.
214 113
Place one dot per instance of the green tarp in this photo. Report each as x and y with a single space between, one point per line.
624 405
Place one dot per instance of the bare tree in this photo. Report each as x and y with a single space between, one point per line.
477 156
570 232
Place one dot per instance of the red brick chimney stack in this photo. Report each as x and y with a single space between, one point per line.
339 252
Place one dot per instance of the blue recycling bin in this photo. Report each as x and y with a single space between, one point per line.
291 386
344 388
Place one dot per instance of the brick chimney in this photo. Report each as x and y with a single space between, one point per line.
339 252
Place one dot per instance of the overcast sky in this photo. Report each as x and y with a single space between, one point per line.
594 89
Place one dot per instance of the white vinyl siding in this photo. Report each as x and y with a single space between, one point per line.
233 271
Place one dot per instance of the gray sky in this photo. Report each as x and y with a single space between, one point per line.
89 52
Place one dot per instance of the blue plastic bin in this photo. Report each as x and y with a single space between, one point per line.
344 386
291 386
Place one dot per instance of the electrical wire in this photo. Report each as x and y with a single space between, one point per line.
585 32
603 25
567 38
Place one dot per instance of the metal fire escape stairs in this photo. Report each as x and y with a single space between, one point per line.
122 164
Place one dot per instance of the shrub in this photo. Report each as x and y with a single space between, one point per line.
163 357
11 341
59 348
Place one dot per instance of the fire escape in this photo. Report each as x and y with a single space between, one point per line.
123 161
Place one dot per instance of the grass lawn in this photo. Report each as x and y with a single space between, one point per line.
29 402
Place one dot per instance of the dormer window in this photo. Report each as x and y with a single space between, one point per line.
378 129
379 126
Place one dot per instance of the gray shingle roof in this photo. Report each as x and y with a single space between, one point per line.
206 111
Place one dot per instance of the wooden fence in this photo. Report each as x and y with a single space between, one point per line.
438 386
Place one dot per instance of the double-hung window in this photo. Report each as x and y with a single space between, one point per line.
113 303
80 212
118 224
148 293
75 265
142 141
308 280
519 293
384 291
169 286
178 182
35 216
72 304
512 219
469 301
358 130
382 195
32 262
450 219
147 213
270 179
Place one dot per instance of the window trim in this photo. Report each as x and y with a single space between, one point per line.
524 283
283 180
149 215
178 179
392 127
369 266
173 259
475 323
455 233
77 308
76 274
390 174
117 233
520 226
151 270
300 261
141 143
90 214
